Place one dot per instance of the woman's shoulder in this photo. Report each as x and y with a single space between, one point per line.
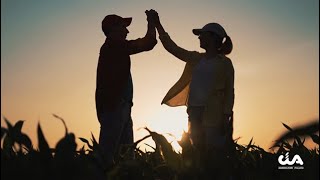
195 57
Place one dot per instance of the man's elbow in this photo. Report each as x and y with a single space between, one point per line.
151 45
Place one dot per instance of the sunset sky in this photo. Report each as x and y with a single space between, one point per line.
50 49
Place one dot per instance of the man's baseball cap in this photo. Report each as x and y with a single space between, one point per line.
211 27
112 20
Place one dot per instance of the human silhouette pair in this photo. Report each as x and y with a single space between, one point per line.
206 85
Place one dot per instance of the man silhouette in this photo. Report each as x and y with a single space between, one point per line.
114 87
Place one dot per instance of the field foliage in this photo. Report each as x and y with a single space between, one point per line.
21 159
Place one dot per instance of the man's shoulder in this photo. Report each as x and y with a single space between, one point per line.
224 58
113 47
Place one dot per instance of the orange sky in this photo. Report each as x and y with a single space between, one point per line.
49 54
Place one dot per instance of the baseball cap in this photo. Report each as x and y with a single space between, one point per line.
211 27
112 20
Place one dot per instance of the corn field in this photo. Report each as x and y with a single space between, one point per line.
20 159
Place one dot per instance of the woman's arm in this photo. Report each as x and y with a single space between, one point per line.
171 46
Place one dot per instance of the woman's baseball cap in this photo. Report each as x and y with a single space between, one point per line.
211 27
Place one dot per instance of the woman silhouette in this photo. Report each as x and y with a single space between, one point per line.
206 86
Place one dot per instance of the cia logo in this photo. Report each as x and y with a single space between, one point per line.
284 160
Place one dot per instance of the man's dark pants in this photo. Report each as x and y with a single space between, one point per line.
115 130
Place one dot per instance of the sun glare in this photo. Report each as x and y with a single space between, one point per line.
170 122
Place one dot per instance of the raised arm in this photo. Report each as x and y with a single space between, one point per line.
147 42
171 46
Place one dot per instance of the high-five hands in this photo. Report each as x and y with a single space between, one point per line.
152 16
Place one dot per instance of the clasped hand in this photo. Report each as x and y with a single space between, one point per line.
152 16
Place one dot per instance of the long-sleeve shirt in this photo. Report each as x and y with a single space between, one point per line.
114 82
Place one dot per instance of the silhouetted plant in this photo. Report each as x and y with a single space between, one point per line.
19 158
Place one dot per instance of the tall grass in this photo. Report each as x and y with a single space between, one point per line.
20 159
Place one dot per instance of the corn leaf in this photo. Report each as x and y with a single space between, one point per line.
286 126
4 131
43 145
87 142
171 157
64 123
315 138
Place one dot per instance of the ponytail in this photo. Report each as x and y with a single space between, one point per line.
227 46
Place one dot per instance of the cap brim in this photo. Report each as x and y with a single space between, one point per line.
197 31
127 21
